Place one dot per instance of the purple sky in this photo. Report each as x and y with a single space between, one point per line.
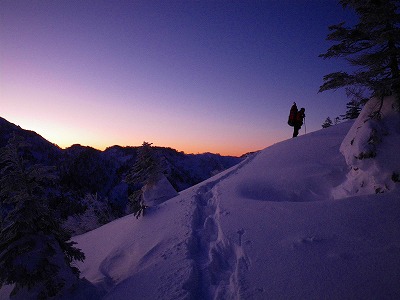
196 76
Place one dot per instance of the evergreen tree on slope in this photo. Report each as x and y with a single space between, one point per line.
35 252
372 45
146 171
327 123
357 101
353 110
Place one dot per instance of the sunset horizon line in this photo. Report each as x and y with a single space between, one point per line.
103 147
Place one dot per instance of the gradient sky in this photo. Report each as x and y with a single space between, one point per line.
197 76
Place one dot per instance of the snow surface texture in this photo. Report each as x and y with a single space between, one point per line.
267 228
372 149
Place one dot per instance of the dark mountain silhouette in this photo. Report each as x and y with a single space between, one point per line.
84 170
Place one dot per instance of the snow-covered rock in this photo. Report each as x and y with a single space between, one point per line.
159 192
372 149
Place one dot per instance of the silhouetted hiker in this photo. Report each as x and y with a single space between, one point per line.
298 122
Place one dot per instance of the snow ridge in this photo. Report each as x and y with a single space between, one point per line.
216 261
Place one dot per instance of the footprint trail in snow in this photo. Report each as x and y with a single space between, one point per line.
217 262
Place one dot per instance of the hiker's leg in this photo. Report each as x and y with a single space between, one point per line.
296 131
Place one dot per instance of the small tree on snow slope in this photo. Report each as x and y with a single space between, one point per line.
357 101
327 123
35 252
353 110
146 171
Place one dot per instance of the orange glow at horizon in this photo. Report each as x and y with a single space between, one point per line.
66 136
69 138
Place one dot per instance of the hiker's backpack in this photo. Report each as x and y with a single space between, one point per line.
300 116
292 115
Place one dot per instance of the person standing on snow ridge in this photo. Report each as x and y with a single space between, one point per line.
298 122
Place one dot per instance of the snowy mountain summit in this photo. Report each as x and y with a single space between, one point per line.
312 217
268 228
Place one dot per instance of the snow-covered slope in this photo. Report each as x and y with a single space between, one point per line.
267 228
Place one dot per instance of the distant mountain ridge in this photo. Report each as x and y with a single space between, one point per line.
87 171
